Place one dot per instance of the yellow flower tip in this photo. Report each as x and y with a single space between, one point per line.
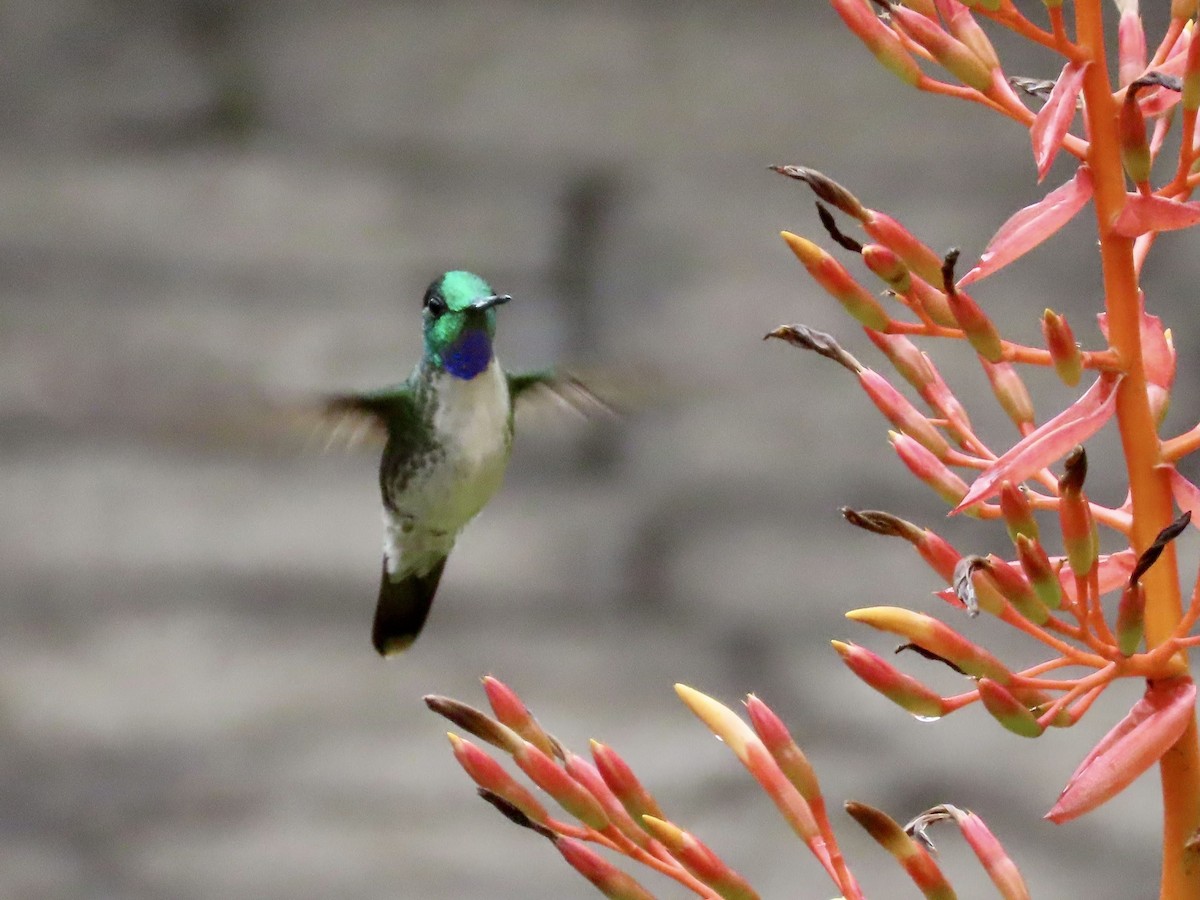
841 647
721 721
455 740
671 835
805 249
888 618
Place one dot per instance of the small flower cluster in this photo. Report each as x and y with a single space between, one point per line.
611 809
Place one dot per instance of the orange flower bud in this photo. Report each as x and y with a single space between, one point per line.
1008 710
885 230
700 861
1038 570
935 636
840 284
1131 618
1017 512
1017 591
977 327
915 859
888 266
1060 341
922 463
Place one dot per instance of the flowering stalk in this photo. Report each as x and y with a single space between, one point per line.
1098 616
1054 599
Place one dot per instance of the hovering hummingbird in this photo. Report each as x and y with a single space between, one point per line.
449 430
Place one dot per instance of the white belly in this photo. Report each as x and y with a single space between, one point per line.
472 425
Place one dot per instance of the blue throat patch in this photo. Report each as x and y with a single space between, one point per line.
469 355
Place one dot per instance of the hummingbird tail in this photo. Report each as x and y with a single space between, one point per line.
402 608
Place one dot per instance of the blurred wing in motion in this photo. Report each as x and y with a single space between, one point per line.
347 421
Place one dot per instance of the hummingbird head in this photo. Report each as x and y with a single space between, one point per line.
459 318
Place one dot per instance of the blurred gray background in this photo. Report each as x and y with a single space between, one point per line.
210 211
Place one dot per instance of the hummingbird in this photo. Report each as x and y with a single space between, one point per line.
449 432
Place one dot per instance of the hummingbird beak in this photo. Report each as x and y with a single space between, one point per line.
488 302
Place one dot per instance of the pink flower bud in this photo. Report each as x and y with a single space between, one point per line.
780 744
587 775
913 366
903 690
1131 44
1010 390
991 854
623 783
611 881
879 39
840 284
566 791
955 56
964 27
511 711
1038 570
490 775
928 468
906 417
934 302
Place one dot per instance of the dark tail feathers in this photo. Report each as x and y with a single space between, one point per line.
402 609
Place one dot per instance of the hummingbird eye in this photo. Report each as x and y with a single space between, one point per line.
435 304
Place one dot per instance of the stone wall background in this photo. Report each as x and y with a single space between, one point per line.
213 210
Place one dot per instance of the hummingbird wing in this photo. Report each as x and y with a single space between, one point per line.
545 385
351 419
403 607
